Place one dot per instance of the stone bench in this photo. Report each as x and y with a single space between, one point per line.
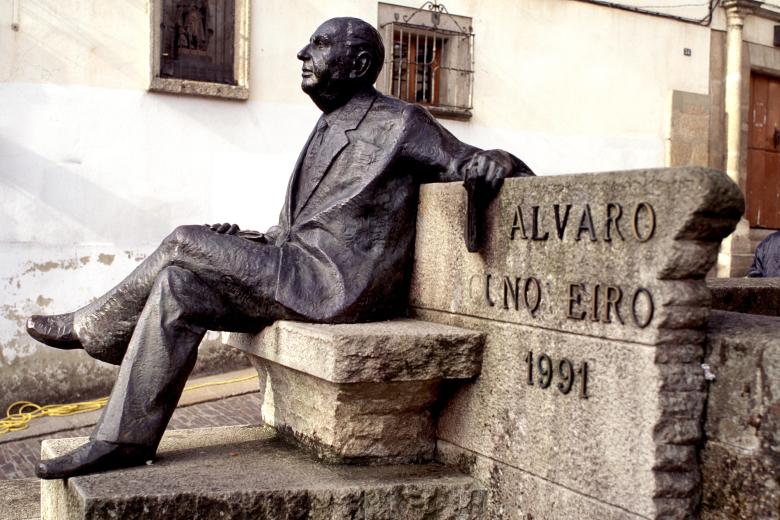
359 393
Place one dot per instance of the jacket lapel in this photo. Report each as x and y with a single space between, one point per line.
345 120
289 203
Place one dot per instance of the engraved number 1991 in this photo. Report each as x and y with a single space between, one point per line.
542 370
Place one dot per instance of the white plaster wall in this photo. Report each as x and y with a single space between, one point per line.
95 170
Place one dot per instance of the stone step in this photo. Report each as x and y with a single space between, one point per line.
21 499
248 472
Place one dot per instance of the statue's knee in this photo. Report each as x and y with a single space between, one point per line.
184 235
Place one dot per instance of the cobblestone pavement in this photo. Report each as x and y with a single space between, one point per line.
18 459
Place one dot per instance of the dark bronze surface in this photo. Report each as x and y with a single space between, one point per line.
341 252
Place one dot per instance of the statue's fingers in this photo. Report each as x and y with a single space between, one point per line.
477 169
473 167
498 178
472 162
233 229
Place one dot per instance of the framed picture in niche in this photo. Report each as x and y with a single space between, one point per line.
201 47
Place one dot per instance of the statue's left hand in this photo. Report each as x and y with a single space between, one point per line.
224 229
489 168
233 229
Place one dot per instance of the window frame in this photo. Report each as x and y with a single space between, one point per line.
455 34
239 91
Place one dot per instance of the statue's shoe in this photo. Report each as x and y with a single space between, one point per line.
93 457
56 331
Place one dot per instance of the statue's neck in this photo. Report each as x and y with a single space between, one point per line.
329 102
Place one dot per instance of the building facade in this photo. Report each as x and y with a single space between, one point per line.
120 122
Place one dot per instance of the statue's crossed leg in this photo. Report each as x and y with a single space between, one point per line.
153 322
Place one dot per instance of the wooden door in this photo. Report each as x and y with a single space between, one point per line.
762 190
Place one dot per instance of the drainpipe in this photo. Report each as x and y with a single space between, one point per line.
736 12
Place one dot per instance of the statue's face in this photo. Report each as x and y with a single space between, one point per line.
326 59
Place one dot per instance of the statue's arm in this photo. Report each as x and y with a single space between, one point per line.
448 159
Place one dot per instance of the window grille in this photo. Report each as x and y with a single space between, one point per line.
197 40
430 60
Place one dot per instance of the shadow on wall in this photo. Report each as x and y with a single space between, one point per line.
42 201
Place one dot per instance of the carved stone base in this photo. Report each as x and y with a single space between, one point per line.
368 423
361 393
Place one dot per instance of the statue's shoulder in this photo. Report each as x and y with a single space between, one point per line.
391 108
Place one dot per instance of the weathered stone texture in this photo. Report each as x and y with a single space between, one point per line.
515 494
543 282
241 472
741 458
748 295
352 422
20 499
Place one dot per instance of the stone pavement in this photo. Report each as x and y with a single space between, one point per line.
223 405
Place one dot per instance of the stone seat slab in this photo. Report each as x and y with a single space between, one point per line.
394 350
247 472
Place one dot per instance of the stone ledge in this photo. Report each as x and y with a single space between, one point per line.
396 350
748 295
246 472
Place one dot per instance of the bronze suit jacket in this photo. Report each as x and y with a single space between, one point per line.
346 245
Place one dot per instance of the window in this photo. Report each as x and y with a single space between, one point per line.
201 47
430 60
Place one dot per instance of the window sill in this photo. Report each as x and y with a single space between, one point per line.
460 114
199 88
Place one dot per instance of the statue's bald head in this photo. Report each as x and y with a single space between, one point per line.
360 36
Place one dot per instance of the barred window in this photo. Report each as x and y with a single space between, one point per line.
430 60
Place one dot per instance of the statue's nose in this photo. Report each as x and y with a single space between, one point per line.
303 54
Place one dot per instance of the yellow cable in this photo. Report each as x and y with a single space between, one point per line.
20 418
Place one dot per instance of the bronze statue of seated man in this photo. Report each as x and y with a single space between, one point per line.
341 252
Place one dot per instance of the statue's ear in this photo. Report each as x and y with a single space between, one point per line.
362 64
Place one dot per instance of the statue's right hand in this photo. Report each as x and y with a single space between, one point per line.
224 229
